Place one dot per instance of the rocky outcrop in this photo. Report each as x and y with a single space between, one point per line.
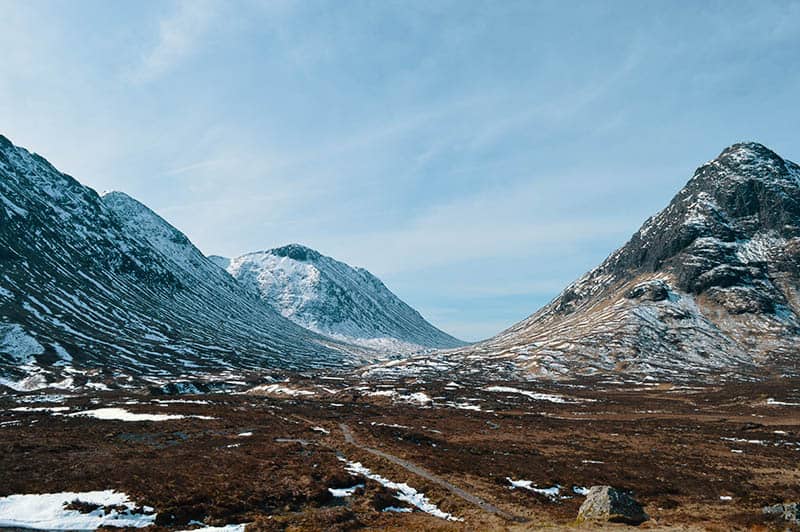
788 512
604 503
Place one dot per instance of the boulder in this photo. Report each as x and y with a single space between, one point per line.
788 512
605 503
656 290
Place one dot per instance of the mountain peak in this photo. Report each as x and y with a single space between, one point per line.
746 161
5 143
118 194
112 196
135 213
748 149
297 252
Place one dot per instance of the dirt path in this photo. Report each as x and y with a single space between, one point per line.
413 468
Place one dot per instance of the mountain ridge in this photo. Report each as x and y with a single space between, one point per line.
708 287
83 290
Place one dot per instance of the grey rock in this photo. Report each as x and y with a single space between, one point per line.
650 291
605 503
788 512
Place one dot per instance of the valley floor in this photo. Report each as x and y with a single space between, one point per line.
334 454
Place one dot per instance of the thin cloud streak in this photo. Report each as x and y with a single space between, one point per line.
195 166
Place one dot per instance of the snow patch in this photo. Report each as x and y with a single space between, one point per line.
405 492
48 511
551 493
397 509
277 389
417 398
21 346
226 528
34 381
345 492
771 401
181 401
464 406
120 414
532 395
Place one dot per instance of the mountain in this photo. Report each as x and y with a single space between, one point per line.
334 299
710 286
90 283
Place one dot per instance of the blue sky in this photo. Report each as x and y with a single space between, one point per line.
477 156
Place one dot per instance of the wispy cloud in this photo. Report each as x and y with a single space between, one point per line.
193 167
505 222
179 35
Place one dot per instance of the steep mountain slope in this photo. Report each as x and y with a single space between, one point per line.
710 285
332 298
89 283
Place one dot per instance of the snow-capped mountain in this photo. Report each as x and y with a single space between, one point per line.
332 298
90 282
708 286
